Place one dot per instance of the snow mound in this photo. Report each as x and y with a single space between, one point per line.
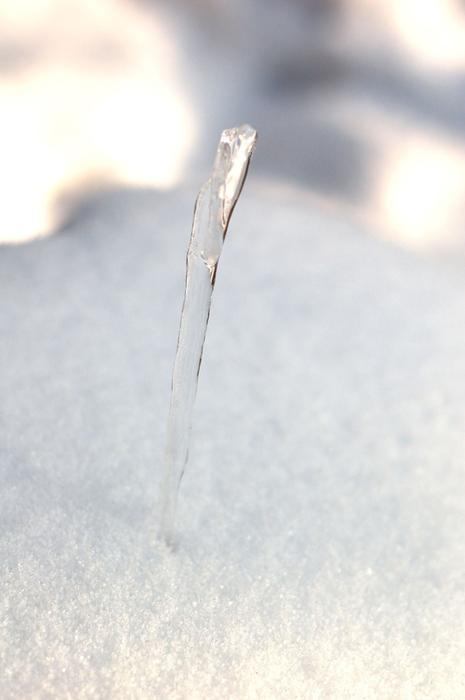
322 514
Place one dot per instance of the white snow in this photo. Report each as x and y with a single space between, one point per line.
322 515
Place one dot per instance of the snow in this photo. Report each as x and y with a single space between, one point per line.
322 516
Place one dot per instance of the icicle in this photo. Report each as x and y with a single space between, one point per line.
213 210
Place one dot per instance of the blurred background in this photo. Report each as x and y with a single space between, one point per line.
358 103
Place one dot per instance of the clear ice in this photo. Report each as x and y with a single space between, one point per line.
213 209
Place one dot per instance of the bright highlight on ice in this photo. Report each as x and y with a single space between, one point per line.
213 210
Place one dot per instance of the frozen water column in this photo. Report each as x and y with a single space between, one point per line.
213 209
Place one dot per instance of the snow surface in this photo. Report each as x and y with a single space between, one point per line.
322 515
